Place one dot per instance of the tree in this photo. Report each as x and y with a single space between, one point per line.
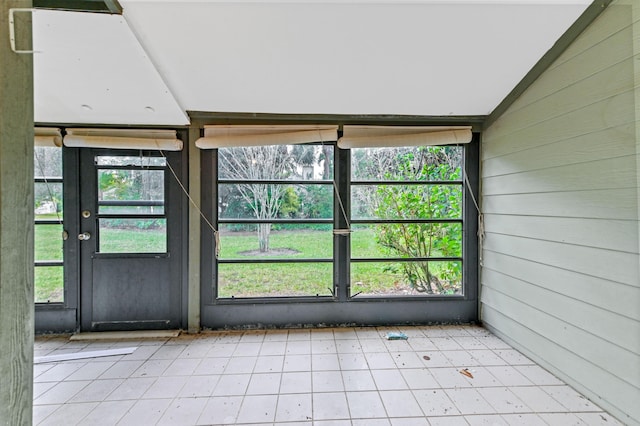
260 163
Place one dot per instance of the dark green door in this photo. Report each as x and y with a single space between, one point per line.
130 244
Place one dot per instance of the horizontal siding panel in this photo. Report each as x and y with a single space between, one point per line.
617 204
602 233
617 79
612 112
612 50
617 17
604 324
610 392
587 346
617 172
560 272
609 295
606 143
606 264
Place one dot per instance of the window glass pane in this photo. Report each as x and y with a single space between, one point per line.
132 235
406 201
407 163
406 278
275 280
271 201
273 162
47 162
48 200
407 240
48 242
108 160
276 241
131 188
129 209
49 284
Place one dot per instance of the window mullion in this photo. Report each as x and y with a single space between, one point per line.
342 242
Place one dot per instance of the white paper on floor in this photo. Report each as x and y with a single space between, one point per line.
82 355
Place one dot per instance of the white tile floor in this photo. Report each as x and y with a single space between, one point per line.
340 376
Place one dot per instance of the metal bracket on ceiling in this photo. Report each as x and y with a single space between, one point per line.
12 31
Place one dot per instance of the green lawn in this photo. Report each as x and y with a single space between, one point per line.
247 280
48 246
305 279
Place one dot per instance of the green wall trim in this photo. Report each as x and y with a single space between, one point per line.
199 118
102 6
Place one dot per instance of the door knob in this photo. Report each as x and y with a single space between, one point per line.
84 236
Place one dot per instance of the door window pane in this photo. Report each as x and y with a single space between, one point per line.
124 160
131 186
134 190
148 235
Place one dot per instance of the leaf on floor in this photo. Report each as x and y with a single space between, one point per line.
466 372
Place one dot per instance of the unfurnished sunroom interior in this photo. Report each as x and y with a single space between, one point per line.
518 118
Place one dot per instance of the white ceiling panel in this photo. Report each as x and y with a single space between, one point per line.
89 68
411 57
347 57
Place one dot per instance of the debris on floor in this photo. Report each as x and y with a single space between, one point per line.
466 372
83 355
396 336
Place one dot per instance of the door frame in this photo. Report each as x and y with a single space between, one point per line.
176 206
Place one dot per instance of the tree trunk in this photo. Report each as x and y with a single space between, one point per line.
264 229
326 171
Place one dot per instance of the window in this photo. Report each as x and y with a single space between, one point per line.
406 217
358 223
275 217
131 204
48 227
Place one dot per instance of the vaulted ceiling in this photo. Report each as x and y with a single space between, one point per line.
161 59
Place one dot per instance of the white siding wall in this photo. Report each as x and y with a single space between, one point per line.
560 193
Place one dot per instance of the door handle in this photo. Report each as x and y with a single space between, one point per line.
84 236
